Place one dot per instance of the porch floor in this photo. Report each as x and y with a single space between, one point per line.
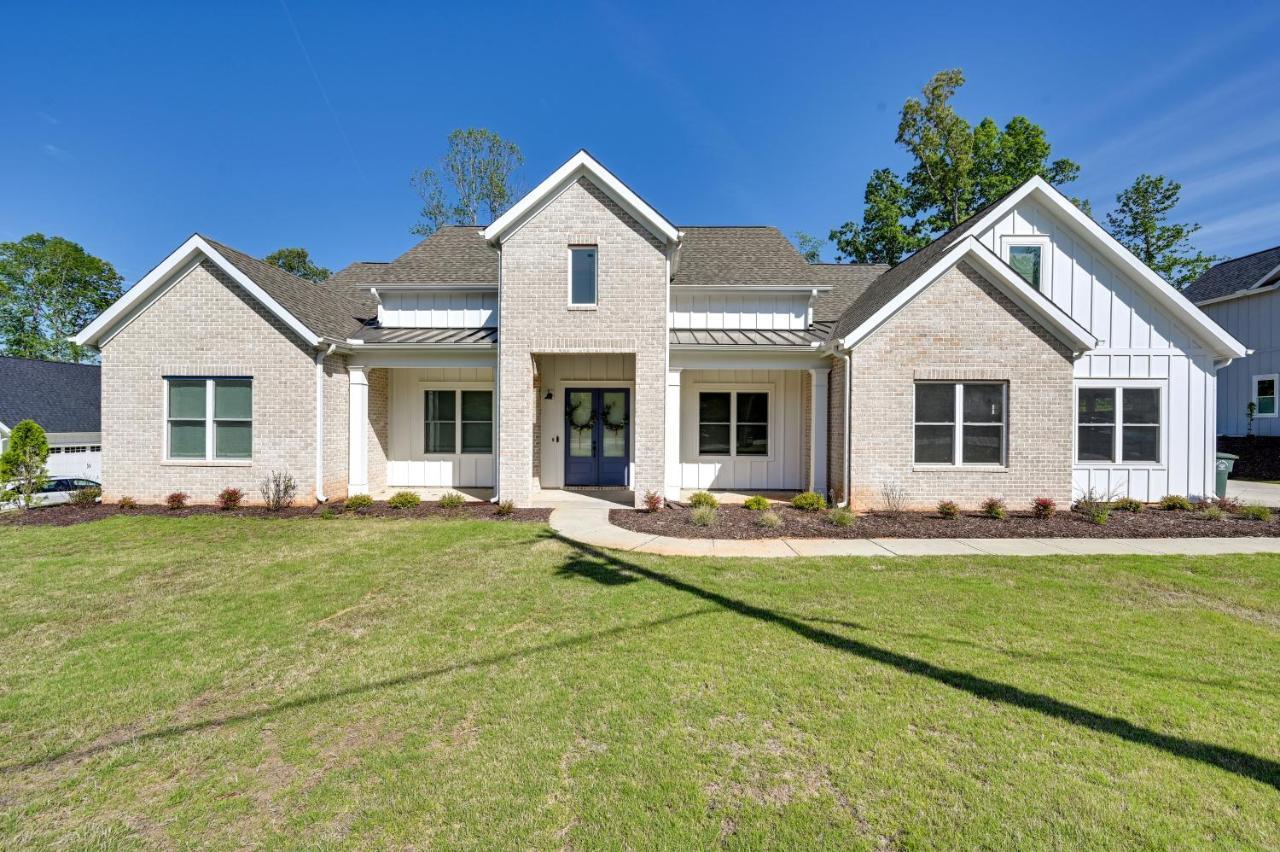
598 498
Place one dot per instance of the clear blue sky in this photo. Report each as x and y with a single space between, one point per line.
129 126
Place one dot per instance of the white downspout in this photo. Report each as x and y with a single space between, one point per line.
497 396
848 423
321 354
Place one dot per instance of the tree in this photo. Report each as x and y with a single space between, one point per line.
50 288
475 177
957 169
809 246
297 261
1140 223
22 469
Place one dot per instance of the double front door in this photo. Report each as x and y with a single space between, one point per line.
597 428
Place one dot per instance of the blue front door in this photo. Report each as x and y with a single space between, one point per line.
597 426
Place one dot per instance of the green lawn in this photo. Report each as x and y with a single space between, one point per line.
223 682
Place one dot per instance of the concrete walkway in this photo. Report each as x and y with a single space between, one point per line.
588 523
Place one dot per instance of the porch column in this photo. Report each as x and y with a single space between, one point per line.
358 432
671 490
818 429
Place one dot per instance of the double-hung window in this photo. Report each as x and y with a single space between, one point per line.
458 418
1264 395
960 423
582 276
1118 424
209 419
733 423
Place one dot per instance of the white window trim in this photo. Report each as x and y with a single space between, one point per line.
595 284
1045 245
458 388
734 390
209 459
1275 377
1117 445
957 449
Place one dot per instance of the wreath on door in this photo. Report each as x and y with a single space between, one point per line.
612 424
582 417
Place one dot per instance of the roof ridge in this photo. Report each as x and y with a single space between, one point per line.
1244 256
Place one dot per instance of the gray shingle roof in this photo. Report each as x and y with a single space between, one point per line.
60 397
327 310
848 281
761 255
455 254
1232 276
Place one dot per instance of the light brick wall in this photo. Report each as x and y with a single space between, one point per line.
960 328
837 482
379 427
205 325
337 424
630 317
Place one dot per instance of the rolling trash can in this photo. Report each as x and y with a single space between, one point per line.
1226 462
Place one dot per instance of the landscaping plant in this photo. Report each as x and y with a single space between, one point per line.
1256 512
756 503
127 503
175 501
703 499
229 498
278 490
505 508
994 507
451 500
1212 513
23 463
1128 504
840 517
1044 507
405 500
769 519
1175 503
894 497
809 501
653 501
703 516
949 509
86 496
358 501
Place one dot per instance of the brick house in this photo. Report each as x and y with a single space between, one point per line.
583 340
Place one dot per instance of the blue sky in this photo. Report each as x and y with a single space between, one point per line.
129 126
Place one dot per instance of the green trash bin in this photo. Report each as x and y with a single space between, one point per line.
1226 462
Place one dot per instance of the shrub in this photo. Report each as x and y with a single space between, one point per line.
1096 509
840 517
769 519
229 498
894 497
22 464
703 516
1256 512
505 508
278 490
1227 504
949 509
451 500
328 514
176 500
993 507
756 503
86 496
1212 513
653 501
809 501
1043 507
1099 514
358 501
1128 504
703 499
404 500
127 503
1175 503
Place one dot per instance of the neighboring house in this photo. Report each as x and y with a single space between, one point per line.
584 340
63 399
1241 296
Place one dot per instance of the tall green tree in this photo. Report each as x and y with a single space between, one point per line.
475 179
1141 223
809 246
297 261
957 169
50 288
22 464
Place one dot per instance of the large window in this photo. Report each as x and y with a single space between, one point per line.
1264 395
210 419
1118 424
458 417
733 423
582 275
960 423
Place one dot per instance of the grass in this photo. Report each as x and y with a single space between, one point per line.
217 681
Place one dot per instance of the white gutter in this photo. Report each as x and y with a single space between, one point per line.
848 422
321 354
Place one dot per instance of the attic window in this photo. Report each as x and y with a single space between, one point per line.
1029 256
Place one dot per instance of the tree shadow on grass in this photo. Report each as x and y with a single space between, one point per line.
1231 760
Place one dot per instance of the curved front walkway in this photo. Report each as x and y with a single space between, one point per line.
589 524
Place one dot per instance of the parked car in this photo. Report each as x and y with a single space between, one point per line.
53 492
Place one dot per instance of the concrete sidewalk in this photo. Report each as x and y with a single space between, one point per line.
590 525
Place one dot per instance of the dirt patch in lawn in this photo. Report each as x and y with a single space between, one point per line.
735 522
1259 457
66 515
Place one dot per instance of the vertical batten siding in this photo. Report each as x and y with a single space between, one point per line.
439 309
740 310
1253 321
408 465
557 372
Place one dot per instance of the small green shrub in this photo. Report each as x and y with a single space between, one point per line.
1175 503
176 500
1099 514
358 501
769 519
1043 507
653 501
703 516
504 508
1129 504
949 509
86 496
809 501
229 498
1256 512
452 500
993 507
404 500
1096 509
756 503
1227 504
703 500
840 517
328 514
127 503
1212 513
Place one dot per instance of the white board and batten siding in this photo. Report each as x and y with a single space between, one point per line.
556 373
1255 322
408 464
438 309
1137 340
785 467
740 310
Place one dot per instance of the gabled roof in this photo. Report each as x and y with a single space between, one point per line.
1236 276
60 397
743 255
454 254
848 282
582 164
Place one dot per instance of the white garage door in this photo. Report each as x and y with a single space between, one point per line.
83 460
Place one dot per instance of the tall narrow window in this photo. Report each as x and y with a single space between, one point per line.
441 417
969 418
714 423
1096 429
210 419
1264 395
752 424
477 421
187 398
232 419
935 423
582 275
1025 260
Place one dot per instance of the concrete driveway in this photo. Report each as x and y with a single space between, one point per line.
1266 493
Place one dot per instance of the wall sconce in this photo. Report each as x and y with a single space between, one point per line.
549 395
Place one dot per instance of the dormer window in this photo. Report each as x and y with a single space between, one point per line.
1029 257
582 276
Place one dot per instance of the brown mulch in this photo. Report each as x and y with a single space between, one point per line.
65 515
1259 456
735 522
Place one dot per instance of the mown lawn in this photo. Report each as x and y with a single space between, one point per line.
223 682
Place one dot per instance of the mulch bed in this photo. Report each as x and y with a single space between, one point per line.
66 515
1259 456
735 522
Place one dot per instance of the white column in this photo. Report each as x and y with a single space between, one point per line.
818 429
358 430
671 489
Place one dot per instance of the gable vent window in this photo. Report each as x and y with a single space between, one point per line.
582 276
1029 257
